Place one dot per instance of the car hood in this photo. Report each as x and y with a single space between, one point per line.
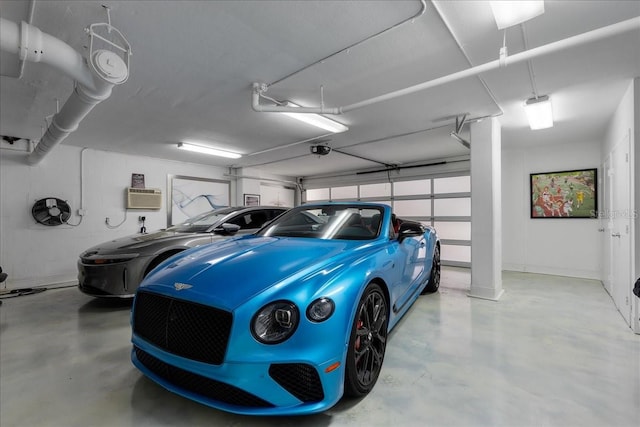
136 242
229 273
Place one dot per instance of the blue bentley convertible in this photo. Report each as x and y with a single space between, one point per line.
287 320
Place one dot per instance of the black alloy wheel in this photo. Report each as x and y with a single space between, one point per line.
367 343
434 277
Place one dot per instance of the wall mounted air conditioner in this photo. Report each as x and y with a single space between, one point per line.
144 198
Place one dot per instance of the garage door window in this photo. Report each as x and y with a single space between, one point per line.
441 201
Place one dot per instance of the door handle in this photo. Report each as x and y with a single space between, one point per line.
615 234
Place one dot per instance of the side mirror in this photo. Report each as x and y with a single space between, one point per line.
410 229
227 228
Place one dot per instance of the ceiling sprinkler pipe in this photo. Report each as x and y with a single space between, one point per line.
590 36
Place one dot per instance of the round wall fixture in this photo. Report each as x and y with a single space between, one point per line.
51 211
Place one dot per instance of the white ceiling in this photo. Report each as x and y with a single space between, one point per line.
193 65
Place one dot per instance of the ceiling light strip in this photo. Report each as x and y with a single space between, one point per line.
208 150
318 121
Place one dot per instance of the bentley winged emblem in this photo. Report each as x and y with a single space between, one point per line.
180 286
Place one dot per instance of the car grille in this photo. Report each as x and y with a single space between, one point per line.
299 379
186 329
198 384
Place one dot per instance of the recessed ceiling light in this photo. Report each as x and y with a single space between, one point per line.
208 150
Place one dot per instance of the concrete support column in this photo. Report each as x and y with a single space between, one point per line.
486 210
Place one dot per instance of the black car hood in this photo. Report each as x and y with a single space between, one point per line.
136 242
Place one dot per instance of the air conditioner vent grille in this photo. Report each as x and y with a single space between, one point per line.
144 198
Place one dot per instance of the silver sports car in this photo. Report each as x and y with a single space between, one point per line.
115 268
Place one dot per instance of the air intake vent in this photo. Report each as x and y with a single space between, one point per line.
144 198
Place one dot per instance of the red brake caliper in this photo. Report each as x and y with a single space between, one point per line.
358 327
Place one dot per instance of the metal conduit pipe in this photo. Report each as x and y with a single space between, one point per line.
447 25
590 36
423 8
93 84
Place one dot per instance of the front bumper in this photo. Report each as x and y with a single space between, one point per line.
284 387
117 280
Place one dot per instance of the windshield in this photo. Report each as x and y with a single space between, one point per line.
202 222
351 222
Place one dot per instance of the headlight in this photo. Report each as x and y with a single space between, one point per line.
320 310
93 259
275 322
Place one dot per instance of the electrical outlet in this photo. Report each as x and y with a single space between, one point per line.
82 212
142 218
106 220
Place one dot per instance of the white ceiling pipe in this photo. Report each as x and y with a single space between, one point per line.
260 88
93 84
590 36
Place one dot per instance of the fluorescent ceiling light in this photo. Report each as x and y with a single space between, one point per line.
539 112
317 120
208 150
508 13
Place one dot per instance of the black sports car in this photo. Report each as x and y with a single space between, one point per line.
116 268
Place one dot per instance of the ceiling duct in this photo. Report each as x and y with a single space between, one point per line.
93 81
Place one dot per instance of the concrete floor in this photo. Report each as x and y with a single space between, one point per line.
553 352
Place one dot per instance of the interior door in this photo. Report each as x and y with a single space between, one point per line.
620 232
606 224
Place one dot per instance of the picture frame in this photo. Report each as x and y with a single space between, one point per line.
564 194
251 199
190 196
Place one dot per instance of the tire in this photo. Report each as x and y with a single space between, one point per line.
434 276
367 342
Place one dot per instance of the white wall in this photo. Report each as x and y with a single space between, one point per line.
254 181
565 247
34 254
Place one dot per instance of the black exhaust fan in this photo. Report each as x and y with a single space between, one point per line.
51 211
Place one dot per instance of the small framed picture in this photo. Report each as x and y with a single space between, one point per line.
251 199
137 180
